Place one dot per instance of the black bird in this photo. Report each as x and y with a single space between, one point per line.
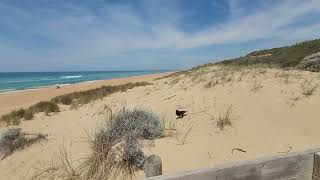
180 113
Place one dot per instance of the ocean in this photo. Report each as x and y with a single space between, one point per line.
15 81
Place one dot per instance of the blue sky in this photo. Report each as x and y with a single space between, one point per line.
60 35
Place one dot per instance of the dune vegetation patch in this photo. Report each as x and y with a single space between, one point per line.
85 97
308 88
115 148
15 116
225 119
74 99
14 139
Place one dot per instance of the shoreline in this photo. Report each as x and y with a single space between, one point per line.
4 91
21 98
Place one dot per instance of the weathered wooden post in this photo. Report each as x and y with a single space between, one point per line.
152 166
316 167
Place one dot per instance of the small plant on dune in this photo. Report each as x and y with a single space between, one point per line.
256 86
28 115
175 80
45 106
14 139
285 76
115 149
184 137
63 168
292 101
212 83
169 124
225 119
308 88
262 70
74 105
13 118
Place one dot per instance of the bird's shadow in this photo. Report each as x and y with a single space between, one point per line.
180 117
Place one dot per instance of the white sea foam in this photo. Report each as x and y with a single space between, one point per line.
6 90
22 81
71 77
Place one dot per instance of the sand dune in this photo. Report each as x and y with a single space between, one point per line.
270 111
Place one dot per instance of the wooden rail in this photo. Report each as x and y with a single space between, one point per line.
304 165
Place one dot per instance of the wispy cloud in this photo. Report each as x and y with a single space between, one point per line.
120 35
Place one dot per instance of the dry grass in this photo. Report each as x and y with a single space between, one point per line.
63 168
15 116
14 139
225 119
212 83
184 136
308 88
174 80
293 100
85 97
44 106
115 149
256 86
74 99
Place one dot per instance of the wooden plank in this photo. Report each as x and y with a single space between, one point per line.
315 178
316 167
152 166
293 166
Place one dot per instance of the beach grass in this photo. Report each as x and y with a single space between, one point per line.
115 148
72 99
14 139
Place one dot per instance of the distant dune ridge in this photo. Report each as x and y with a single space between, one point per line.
264 103
283 57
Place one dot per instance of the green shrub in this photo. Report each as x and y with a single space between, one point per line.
10 119
14 117
66 100
45 106
28 115
284 57
115 148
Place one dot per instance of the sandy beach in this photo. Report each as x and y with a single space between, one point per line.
268 108
14 100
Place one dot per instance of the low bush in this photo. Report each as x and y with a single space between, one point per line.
45 106
14 117
115 148
308 88
28 115
10 119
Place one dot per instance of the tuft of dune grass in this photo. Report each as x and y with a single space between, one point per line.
115 151
14 139
225 119
308 88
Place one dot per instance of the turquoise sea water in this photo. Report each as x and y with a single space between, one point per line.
14 81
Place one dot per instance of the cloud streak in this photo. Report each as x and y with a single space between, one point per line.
115 34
